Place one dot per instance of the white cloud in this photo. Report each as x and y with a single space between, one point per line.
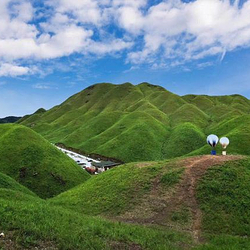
137 3
169 33
130 18
41 86
67 41
84 11
7 69
192 30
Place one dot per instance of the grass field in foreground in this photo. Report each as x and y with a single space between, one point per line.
224 196
74 219
31 223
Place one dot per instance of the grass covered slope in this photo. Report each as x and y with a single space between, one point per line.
51 224
204 197
36 164
197 202
111 192
57 224
53 227
134 123
224 197
184 138
121 189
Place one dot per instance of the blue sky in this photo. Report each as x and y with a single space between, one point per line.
52 50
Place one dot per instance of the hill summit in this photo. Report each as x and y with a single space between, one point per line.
143 122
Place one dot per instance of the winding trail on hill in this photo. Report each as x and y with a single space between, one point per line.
195 168
183 196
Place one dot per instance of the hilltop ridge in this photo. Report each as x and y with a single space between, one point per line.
138 122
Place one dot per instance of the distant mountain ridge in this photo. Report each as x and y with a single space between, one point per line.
10 119
144 122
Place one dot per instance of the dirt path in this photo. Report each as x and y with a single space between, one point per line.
195 168
162 205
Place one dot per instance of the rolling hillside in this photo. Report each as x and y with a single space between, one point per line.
143 122
196 203
36 164
204 197
54 227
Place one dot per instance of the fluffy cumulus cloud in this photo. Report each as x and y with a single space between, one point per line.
191 31
7 69
169 33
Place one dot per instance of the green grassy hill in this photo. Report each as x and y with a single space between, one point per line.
184 138
224 198
186 203
158 194
138 123
112 192
30 223
36 164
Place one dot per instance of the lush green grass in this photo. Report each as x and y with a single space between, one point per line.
224 197
224 194
138 123
184 139
67 221
225 242
36 164
120 189
72 219
112 192
172 177
32 222
189 113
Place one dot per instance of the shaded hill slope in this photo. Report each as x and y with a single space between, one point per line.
36 164
135 123
10 119
7 182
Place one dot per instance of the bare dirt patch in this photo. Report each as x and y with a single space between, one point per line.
144 164
115 245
